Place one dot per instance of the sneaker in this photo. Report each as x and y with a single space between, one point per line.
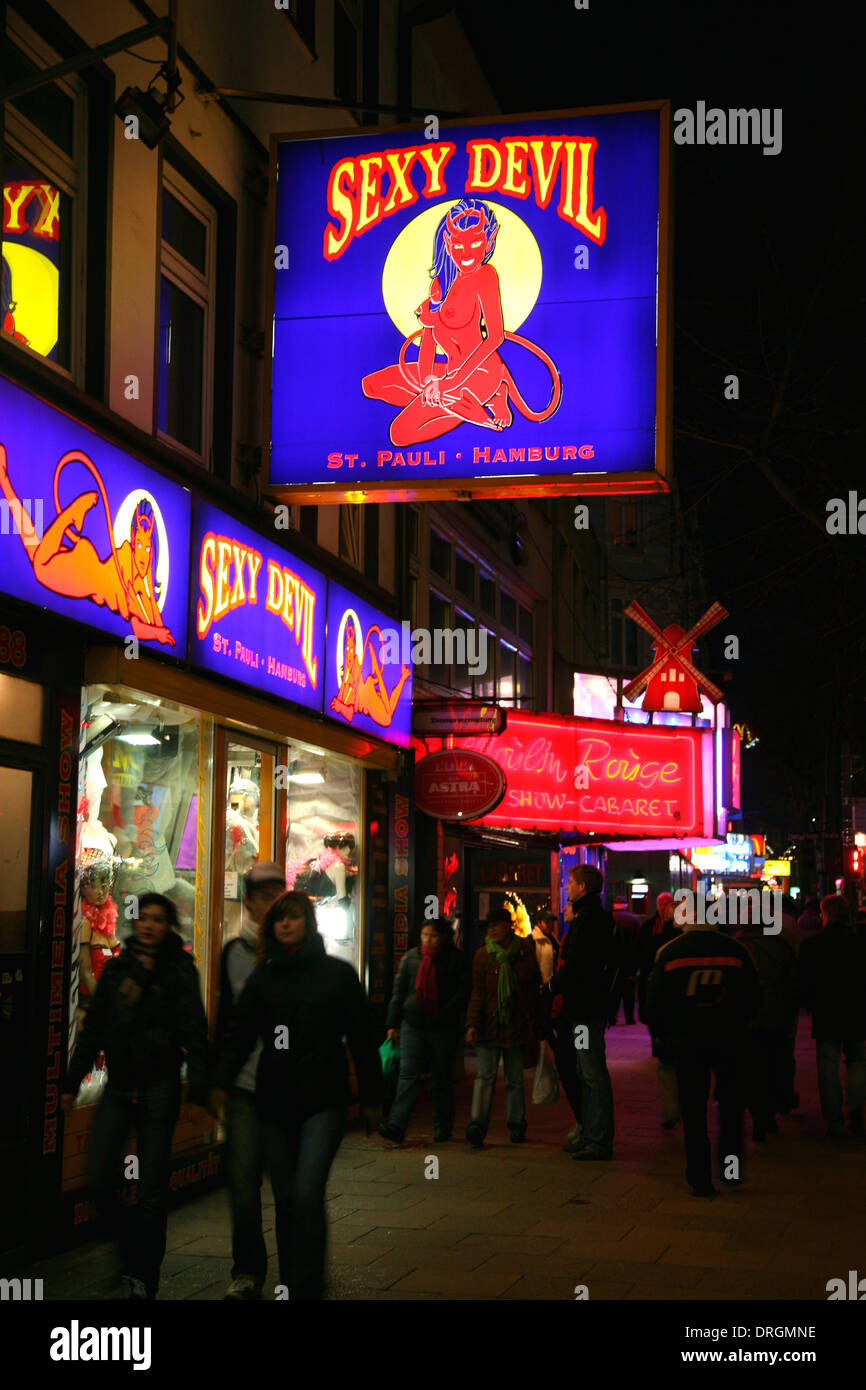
588 1155
518 1135
243 1289
571 1146
133 1289
391 1133
441 1136
475 1135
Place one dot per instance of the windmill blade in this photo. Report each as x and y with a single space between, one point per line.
704 683
643 619
713 615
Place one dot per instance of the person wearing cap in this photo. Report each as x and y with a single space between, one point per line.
262 886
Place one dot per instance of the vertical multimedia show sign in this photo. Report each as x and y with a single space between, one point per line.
480 314
367 685
88 531
257 612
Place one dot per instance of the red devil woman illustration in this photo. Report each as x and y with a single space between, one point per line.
367 695
66 562
462 319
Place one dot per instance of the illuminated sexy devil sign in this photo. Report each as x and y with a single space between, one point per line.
462 319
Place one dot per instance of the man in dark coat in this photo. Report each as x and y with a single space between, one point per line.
630 927
833 988
147 1017
768 1036
592 958
504 1001
702 992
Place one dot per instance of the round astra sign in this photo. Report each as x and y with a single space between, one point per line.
458 784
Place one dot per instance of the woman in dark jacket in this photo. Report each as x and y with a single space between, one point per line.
301 1003
146 1015
426 1015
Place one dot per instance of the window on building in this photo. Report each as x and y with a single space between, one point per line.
623 636
484 684
371 542
507 685
348 30
308 522
414 532
623 525
508 611
466 650
43 233
440 620
487 586
440 555
524 681
464 575
524 628
350 534
186 315
302 13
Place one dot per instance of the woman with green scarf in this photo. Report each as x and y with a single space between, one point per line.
505 986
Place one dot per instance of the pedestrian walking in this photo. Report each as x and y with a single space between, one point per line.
702 992
630 926
809 921
503 1004
425 1018
301 1004
244 1157
147 1016
833 988
591 960
768 1035
655 933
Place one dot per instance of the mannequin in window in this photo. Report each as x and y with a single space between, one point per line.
242 825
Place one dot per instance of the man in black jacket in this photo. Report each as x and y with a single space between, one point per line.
244 1154
586 979
147 1017
702 992
833 988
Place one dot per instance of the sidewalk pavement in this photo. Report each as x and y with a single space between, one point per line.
525 1221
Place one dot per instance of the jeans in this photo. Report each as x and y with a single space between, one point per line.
299 1153
441 1043
566 1064
828 1054
693 1081
244 1164
485 1083
596 1092
139 1226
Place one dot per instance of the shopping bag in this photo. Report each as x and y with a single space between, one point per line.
389 1053
545 1084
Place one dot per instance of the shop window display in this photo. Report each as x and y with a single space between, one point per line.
242 840
143 764
323 845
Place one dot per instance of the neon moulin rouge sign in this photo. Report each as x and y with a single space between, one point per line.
584 774
480 308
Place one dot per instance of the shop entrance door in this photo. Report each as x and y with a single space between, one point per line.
245 820
21 791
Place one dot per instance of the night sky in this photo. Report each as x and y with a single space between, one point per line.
768 284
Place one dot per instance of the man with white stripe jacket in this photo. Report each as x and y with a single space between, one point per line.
702 992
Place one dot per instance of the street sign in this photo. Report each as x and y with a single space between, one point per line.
466 717
455 784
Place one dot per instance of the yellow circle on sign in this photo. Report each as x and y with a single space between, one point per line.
406 275
36 295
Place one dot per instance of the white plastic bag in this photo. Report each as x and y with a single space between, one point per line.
545 1083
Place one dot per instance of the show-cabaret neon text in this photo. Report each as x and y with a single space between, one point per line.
228 575
364 189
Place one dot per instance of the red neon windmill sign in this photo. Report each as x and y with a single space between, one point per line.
672 681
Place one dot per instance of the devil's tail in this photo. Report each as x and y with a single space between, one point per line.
556 394
76 456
